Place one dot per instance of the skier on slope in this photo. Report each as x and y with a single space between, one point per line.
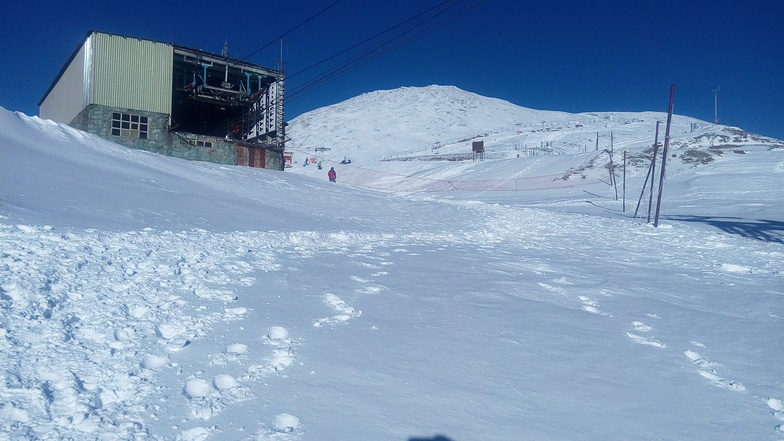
332 175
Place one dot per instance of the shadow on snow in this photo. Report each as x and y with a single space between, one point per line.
435 438
761 229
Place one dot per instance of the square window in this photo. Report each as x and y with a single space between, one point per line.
129 126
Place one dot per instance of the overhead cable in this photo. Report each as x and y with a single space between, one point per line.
411 29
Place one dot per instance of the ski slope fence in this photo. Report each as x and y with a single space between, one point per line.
385 181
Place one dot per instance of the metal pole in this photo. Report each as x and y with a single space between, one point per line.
650 172
624 181
613 182
653 170
664 154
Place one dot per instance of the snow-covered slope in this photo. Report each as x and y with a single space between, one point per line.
149 298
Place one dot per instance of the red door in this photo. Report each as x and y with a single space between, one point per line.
242 156
251 157
259 158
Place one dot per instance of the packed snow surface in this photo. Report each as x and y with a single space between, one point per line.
146 297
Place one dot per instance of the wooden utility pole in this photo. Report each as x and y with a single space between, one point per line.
664 155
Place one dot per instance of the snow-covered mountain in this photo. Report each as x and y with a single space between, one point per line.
410 121
389 122
150 298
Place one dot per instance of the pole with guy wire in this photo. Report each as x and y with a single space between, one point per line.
651 170
664 155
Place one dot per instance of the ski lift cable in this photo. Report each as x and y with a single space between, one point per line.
291 30
369 39
364 57
359 62
373 54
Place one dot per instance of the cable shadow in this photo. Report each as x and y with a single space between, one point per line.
761 229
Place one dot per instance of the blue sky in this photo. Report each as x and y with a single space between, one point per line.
573 56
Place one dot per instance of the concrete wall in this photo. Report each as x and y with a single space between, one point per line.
97 119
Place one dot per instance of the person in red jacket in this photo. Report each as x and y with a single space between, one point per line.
332 175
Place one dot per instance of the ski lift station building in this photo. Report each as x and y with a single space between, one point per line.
171 100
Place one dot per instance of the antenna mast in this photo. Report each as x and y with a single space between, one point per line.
716 105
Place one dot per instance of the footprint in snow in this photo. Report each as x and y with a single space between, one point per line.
707 370
641 327
777 408
281 357
284 427
204 399
369 289
234 352
645 340
209 398
591 306
344 311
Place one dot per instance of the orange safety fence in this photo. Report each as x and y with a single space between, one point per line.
386 181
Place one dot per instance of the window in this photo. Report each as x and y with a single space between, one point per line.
125 125
201 143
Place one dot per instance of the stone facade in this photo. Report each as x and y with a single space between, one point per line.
157 138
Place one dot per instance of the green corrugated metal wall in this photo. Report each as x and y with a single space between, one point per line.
133 73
